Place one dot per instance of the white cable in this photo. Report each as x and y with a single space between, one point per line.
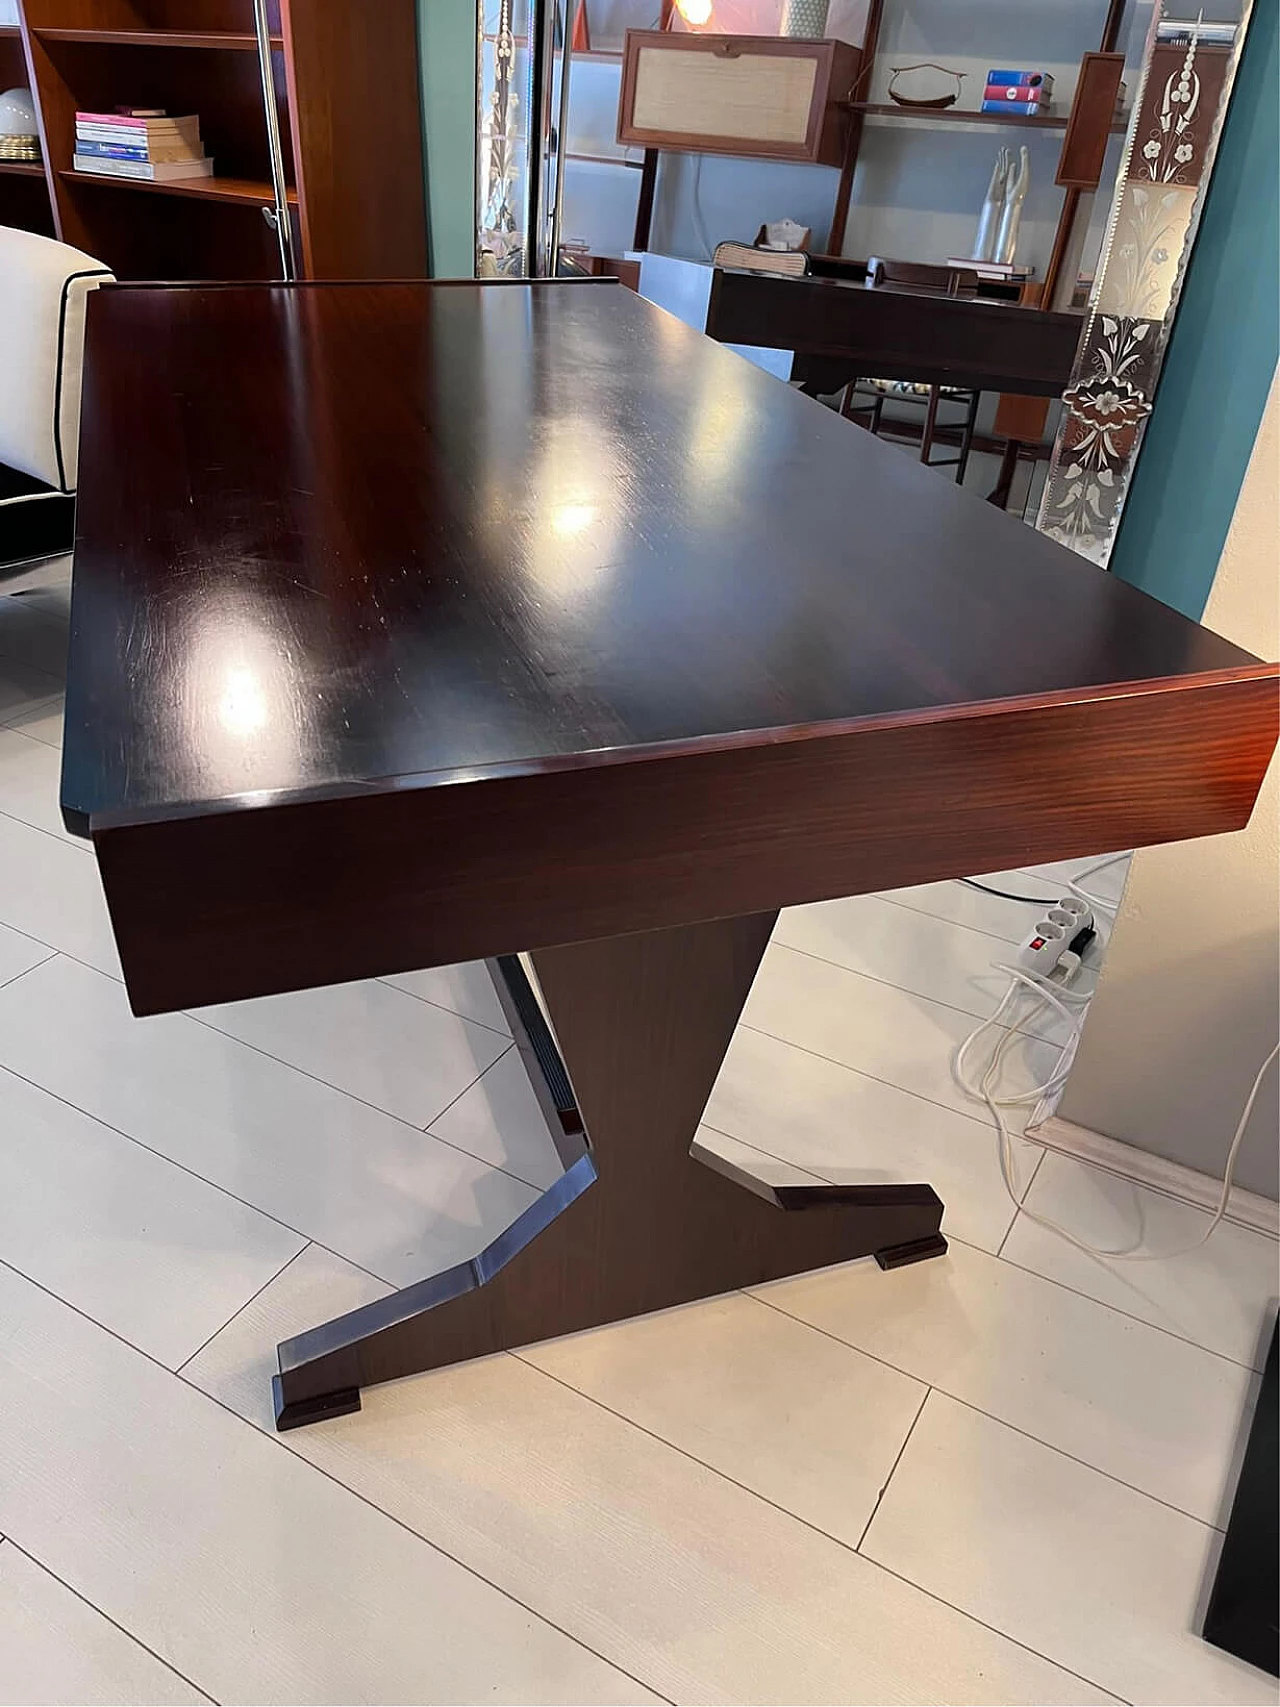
1052 994
1107 906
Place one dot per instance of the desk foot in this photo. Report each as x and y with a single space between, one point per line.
915 1250
318 1409
638 1222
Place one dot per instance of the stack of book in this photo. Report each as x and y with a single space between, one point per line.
996 272
1027 93
140 142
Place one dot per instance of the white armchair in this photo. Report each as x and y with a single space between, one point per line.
44 288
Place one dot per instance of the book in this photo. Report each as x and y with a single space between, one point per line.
1024 109
992 269
1015 92
1023 79
159 172
157 152
188 125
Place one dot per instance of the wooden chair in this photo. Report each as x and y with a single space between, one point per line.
944 281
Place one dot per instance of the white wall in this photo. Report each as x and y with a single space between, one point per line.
1188 1004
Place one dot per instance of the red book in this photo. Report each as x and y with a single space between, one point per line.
1014 92
118 121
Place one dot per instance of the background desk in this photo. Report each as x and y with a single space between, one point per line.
424 623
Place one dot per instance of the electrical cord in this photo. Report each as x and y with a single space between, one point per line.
1031 900
1054 993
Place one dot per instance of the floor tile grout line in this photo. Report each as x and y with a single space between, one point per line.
927 913
1002 1422
1017 1206
241 1308
5 982
53 835
1128 1316
892 1084
8 1541
794 1517
996 1630
284 1446
192 1014
892 1468
423 1131
770 1155
388 978
267 1215
915 995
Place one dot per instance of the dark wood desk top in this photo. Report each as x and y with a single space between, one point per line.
354 543
336 536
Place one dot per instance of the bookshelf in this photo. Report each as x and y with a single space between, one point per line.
347 92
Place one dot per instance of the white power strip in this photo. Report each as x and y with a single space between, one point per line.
1050 938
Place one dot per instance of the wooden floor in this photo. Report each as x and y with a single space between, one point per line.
998 1477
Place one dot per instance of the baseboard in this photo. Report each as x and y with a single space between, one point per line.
1245 1208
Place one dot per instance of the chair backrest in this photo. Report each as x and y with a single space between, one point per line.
44 287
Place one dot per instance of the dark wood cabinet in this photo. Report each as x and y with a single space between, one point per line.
769 97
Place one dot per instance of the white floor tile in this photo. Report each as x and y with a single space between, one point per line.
237 1364
1220 1296
1149 1409
151 1252
30 776
1101 1578
1107 884
767 1168
922 955
499 1121
962 905
376 1190
23 687
228 1556
900 1039
41 719
49 890
848 1128
404 1056
769 1403
467 990
18 954
662 1566
33 633
55 1649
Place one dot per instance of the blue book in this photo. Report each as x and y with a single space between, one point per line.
112 150
1030 79
1023 109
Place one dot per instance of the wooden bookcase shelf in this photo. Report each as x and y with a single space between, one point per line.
22 168
348 98
228 39
247 191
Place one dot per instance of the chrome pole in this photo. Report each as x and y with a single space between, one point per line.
547 119
278 216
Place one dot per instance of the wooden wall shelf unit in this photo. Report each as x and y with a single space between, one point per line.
348 98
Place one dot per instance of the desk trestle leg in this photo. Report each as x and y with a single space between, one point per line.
638 1222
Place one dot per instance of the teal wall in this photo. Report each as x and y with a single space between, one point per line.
1222 352
447 45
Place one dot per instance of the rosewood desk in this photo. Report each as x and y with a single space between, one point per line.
416 623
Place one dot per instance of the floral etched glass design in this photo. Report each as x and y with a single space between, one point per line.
1168 157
